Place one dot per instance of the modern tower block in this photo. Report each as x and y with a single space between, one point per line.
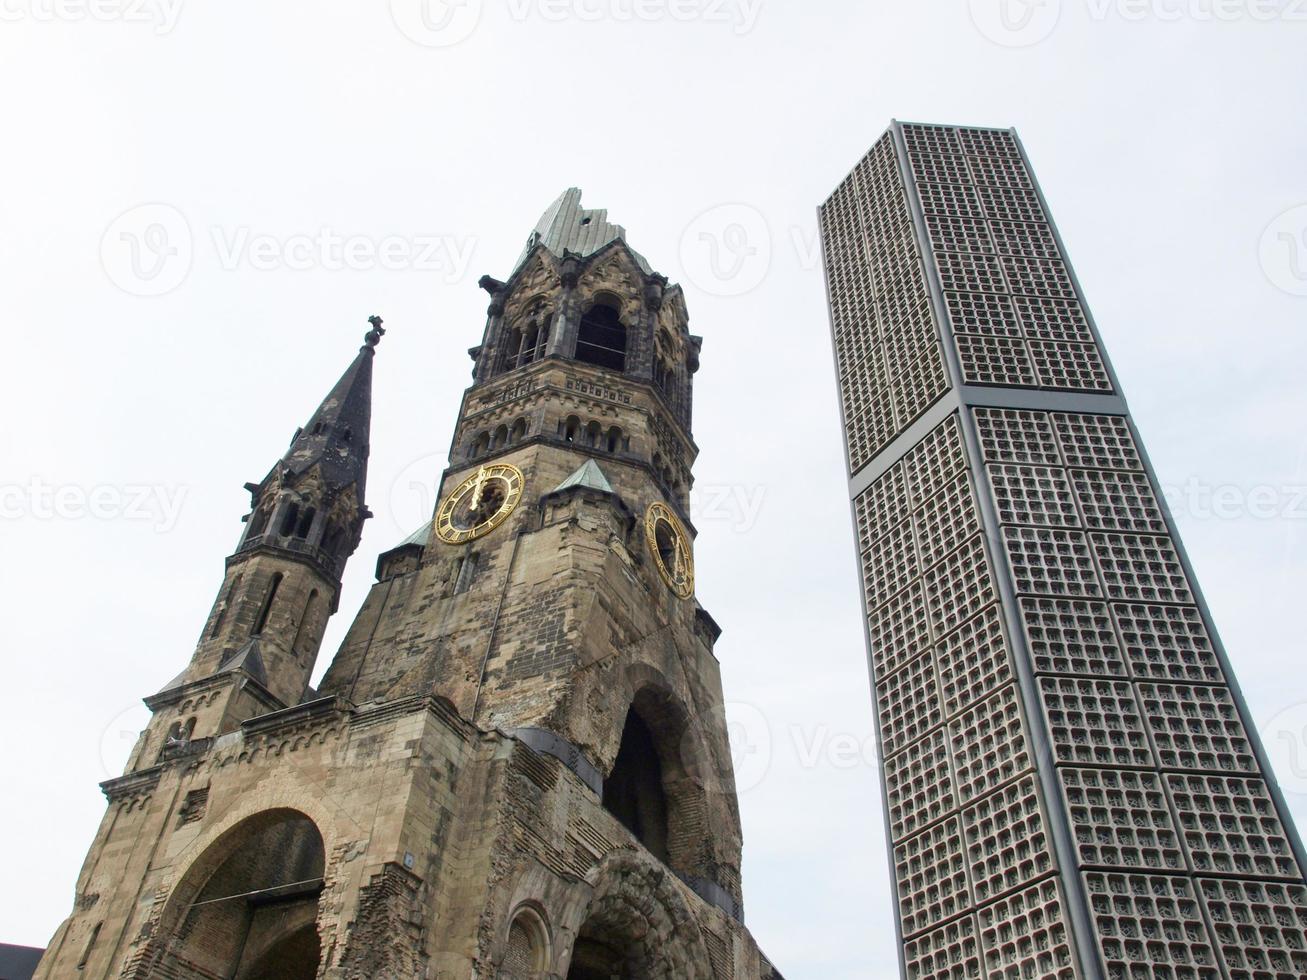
1073 785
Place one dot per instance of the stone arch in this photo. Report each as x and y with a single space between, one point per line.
637 925
658 723
246 907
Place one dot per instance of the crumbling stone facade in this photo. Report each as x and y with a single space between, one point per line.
516 765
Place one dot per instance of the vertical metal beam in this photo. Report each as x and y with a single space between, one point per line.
1041 749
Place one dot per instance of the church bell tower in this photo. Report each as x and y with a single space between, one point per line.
516 765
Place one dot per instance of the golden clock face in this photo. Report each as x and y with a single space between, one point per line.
479 504
670 546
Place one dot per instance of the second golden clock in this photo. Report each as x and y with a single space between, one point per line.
670 546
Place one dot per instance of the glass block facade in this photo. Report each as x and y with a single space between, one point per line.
1073 787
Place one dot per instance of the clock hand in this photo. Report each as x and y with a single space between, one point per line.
476 493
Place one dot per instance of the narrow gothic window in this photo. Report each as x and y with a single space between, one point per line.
310 609
267 605
518 433
332 540
593 432
601 339
224 606
467 569
542 347
305 523
512 346
289 520
571 428
90 946
529 346
258 521
501 438
614 439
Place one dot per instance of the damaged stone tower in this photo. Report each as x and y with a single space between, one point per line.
517 764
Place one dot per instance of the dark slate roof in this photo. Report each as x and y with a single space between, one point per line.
18 962
248 658
568 226
337 435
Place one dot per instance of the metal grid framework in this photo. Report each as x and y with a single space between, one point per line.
1073 788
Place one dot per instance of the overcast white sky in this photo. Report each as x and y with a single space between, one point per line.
1169 137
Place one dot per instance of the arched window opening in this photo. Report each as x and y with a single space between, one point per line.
267 605
500 439
247 908
481 446
571 428
613 442
633 792
305 522
512 346
664 377
518 432
593 434
333 540
601 338
530 338
526 956
289 519
258 520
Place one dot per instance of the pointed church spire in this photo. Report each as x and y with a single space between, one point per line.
336 437
312 501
